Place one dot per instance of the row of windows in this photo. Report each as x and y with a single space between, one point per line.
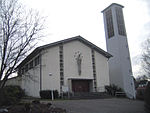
94 69
61 63
109 23
30 65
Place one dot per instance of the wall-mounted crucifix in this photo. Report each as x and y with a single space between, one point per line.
78 56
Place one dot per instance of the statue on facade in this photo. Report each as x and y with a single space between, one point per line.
78 56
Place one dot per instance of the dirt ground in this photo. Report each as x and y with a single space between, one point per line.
111 105
34 108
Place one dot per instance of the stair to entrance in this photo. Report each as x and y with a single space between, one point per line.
90 95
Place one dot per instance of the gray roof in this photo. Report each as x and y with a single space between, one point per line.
79 38
112 5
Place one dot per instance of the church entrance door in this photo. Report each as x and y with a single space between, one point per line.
80 85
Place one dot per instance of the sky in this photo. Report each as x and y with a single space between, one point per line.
69 18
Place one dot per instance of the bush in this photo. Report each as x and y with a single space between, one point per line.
46 94
11 95
147 96
140 93
56 94
112 89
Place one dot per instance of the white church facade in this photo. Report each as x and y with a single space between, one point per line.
74 64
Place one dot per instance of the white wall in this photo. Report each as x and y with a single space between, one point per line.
71 70
14 81
70 63
119 64
50 64
31 82
102 71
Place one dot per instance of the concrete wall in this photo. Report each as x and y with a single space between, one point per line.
31 81
71 70
102 72
50 69
14 81
70 63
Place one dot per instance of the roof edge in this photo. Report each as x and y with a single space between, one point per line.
111 6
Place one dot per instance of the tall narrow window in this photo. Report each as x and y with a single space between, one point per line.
94 70
37 60
22 70
61 64
120 21
109 22
31 65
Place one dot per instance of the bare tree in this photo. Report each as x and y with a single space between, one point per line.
141 77
19 30
146 57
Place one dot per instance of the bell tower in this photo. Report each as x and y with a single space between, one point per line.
120 70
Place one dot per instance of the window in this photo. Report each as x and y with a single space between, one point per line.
128 58
120 21
37 60
22 70
61 79
109 23
31 65
61 69
26 67
61 83
61 65
19 71
130 71
61 74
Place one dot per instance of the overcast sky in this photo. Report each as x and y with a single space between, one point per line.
69 18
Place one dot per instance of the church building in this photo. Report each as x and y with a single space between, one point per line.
76 65
71 65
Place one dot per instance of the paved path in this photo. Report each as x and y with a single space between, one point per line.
113 105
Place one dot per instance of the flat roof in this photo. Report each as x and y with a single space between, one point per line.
111 6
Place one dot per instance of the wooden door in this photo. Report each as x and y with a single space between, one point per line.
80 86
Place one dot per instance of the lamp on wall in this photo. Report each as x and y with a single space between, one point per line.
50 74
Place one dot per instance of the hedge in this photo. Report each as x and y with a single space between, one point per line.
47 94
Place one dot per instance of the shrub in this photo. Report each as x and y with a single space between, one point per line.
112 89
56 94
140 93
147 96
47 94
11 95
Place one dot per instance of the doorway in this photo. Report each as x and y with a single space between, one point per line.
81 85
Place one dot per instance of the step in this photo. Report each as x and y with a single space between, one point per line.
90 95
